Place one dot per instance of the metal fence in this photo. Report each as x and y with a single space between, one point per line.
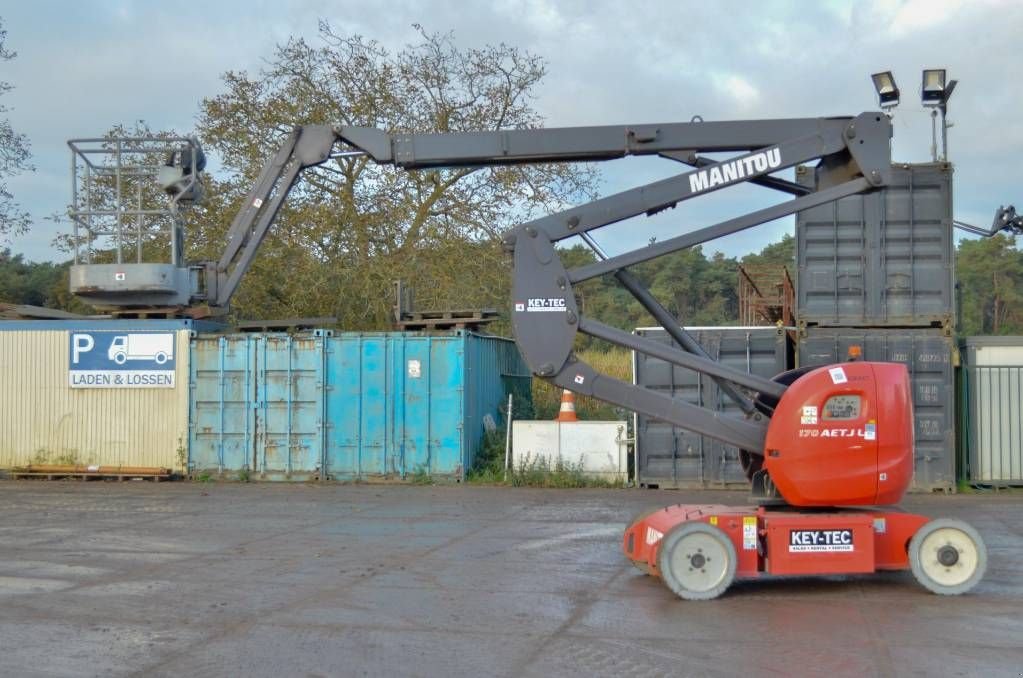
991 413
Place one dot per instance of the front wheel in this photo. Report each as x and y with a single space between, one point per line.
947 556
697 561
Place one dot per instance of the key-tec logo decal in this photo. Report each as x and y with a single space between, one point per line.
817 541
542 304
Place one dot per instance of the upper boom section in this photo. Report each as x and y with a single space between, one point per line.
587 144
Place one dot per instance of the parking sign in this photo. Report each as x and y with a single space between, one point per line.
121 360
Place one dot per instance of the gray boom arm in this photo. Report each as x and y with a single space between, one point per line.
544 313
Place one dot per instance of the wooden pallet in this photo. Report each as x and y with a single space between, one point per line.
119 473
445 320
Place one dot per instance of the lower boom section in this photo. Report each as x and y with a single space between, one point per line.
699 550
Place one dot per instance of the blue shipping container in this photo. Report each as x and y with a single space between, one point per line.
350 406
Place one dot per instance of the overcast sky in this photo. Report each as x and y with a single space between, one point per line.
84 66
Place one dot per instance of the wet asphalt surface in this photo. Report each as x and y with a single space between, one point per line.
304 580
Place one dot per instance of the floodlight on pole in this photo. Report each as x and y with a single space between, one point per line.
935 91
887 90
932 87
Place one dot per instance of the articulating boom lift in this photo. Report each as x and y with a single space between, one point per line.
811 441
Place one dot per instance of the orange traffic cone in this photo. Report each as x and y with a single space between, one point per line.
567 412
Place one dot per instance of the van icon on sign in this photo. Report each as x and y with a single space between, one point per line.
158 348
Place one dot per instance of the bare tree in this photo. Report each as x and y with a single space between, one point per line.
352 227
15 154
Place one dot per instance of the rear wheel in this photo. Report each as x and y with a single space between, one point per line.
697 561
947 556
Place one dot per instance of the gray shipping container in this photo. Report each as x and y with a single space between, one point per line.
992 382
930 355
882 259
671 457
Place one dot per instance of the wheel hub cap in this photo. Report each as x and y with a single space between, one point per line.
948 556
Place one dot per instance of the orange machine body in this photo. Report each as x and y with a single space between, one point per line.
842 435
870 539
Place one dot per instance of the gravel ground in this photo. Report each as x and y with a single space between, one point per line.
191 579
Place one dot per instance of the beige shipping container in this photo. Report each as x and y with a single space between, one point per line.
43 420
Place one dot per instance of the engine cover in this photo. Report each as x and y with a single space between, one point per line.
842 435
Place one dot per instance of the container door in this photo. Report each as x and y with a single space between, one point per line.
928 355
356 407
416 372
915 248
429 423
831 243
223 395
289 417
446 415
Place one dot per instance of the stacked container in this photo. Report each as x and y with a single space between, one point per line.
671 457
877 271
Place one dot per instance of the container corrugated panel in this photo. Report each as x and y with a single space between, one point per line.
257 405
396 405
879 259
993 388
669 456
351 406
494 369
223 417
930 356
44 421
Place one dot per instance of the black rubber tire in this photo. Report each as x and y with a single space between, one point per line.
677 539
966 536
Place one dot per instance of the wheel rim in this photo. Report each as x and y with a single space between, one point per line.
699 562
948 556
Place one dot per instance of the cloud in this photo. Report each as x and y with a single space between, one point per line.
744 94
88 66
912 16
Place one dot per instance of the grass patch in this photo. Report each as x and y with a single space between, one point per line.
420 476
615 363
540 473
489 470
